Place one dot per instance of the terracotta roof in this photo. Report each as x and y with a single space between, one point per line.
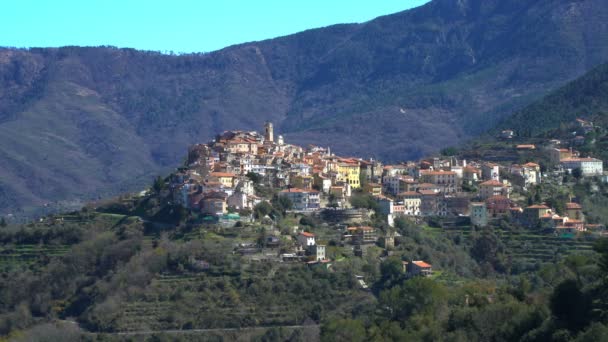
409 193
538 206
573 205
531 164
491 182
525 146
222 174
307 234
294 190
580 160
421 263
441 172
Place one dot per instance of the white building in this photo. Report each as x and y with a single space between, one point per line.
302 199
319 252
306 239
588 166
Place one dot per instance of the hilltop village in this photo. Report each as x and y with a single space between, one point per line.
234 179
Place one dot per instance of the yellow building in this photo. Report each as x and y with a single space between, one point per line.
349 172
226 178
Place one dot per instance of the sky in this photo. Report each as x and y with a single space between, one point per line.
179 26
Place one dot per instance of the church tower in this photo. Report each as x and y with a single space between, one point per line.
269 133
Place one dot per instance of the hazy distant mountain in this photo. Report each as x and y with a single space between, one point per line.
86 122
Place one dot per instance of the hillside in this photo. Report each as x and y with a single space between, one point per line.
81 123
585 97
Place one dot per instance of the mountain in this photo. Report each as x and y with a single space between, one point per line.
585 97
81 122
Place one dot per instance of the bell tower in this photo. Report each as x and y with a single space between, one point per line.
269 132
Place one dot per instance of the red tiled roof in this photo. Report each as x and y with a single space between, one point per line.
538 206
580 160
491 182
293 190
222 174
421 263
307 234
441 172
573 205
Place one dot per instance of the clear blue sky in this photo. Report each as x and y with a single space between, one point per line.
177 25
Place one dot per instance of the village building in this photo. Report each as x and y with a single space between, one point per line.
447 180
418 268
490 171
588 166
478 214
558 154
302 199
363 235
491 188
306 239
373 189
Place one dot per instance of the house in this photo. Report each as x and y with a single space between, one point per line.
490 171
575 211
447 180
525 147
306 239
479 214
213 203
527 174
385 205
398 183
470 174
588 166
225 178
587 126
373 188
498 205
432 203
558 154
349 171
318 251
507 134
533 214
418 268
411 202
322 182
363 235
302 199
578 140
491 188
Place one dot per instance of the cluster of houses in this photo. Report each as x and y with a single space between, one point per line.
220 177
216 177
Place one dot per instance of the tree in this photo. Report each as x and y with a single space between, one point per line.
577 173
570 306
3 222
282 203
449 151
262 209
347 330
254 177
159 184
